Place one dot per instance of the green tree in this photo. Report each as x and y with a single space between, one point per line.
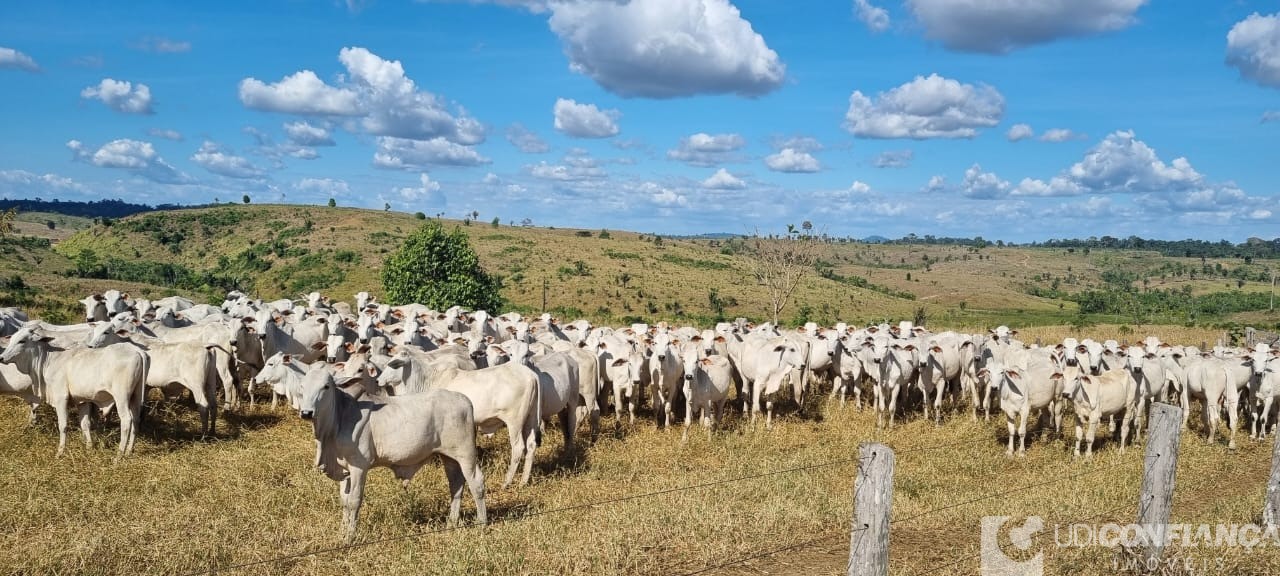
495 222
333 203
245 199
439 269
419 216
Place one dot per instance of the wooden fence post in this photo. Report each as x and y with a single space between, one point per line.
1271 508
1159 471
872 504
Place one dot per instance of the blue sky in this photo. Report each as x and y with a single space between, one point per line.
1019 120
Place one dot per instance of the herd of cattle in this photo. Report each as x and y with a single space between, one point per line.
394 386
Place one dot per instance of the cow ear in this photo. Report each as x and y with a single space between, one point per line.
619 362
1056 376
911 348
705 361
602 346
779 348
936 349
319 346
349 347
287 358
720 339
339 366
372 370
488 339
122 333
381 325
364 349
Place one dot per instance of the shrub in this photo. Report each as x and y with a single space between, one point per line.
439 269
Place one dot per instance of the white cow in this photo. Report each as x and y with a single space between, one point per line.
1264 387
940 371
897 370
503 396
284 374
765 362
1030 383
664 376
174 366
114 374
1095 397
706 388
355 433
15 383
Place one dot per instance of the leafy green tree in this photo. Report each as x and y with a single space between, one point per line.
495 222
333 203
439 269
245 199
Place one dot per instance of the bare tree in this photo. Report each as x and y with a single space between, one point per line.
780 263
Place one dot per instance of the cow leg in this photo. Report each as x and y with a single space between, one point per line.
568 421
1008 420
530 446
879 405
1022 430
515 434
756 389
128 428
31 421
1124 430
688 412
617 405
1266 415
85 409
352 489
937 402
986 404
1232 415
453 472
768 417
1079 434
1090 435
893 405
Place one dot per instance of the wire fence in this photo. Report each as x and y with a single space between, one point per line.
844 532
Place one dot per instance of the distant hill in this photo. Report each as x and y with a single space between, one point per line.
875 240
95 209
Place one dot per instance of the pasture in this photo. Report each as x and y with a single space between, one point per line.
636 501
180 505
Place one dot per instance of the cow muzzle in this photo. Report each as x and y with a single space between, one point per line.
1072 362
306 414
330 359
364 340
688 376
662 357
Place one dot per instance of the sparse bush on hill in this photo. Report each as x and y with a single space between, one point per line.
439 269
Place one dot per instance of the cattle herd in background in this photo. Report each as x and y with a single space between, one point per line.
394 386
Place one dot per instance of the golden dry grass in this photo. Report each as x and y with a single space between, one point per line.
180 505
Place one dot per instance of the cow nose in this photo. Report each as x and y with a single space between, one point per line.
830 353
305 414
330 359
364 340
662 357
688 376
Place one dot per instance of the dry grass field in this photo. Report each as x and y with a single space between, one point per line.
180 505
240 502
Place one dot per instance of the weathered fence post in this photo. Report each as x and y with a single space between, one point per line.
1159 471
1271 508
872 503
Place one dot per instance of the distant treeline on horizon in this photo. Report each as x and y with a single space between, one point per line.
1189 248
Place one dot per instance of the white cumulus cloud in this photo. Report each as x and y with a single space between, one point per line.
723 180
374 90
1000 26
174 135
428 191
1019 132
225 163
979 183
304 133
323 187
526 140
29 184
1060 135
792 160
137 157
926 107
666 48
585 120
13 59
875 18
704 149
401 153
121 96
894 159
1253 48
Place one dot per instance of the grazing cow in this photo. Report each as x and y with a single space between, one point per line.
706 388
897 370
174 366
505 395
664 376
940 371
848 371
15 383
765 363
1095 397
1264 387
357 432
284 374
102 376
1030 383
558 377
